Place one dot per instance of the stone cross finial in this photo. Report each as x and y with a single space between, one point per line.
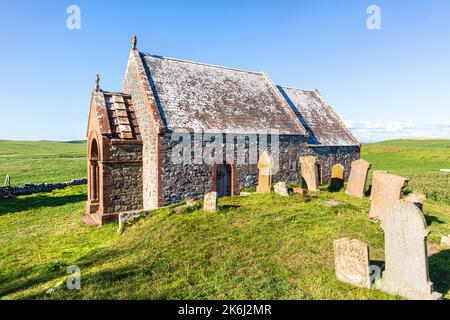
134 42
97 83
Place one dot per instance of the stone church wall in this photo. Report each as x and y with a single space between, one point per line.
182 181
122 178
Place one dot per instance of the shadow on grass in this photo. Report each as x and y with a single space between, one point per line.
101 281
13 205
440 271
31 277
227 207
432 219
25 281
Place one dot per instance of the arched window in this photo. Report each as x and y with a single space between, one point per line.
94 172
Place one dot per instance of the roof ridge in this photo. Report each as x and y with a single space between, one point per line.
201 63
287 87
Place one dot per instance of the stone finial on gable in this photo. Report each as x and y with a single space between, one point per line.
97 83
133 42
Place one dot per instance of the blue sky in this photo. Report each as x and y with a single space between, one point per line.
388 83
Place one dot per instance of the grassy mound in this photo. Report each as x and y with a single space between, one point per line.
255 247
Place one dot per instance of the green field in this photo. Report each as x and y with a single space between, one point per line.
42 161
418 160
256 247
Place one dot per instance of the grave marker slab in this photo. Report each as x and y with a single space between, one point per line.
309 172
351 259
358 178
265 167
210 202
337 177
406 266
386 190
281 189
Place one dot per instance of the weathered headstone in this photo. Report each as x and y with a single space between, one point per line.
300 191
386 190
337 177
375 173
281 189
265 167
406 266
309 172
358 178
126 217
210 202
351 258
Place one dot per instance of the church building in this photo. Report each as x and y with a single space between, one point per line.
133 135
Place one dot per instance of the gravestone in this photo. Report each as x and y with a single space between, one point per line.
351 258
265 167
309 172
375 173
386 190
126 217
281 189
406 266
358 178
210 202
337 177
417 200
300 191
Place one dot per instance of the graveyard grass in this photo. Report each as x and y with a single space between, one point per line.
260 247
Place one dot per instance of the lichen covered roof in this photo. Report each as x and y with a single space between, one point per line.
197 96
323 125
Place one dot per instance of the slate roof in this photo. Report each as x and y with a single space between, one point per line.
198 96
323 125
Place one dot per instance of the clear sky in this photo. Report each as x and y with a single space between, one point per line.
387 83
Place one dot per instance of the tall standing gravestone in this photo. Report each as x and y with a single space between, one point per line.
386 190
309 172
406 270
265 167
351 258
337 177
358 178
